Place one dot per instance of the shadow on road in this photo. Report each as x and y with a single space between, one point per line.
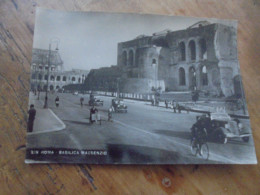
179 134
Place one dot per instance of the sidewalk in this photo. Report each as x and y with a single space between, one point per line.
45 119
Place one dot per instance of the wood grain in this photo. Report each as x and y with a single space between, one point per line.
16 36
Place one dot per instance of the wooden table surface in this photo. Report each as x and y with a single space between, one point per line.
16 38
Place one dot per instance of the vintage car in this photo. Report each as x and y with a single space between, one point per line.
95 102
118 105
220 127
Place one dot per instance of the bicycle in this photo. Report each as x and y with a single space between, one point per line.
199 145
199 148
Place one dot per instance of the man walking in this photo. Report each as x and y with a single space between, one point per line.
81 101
57 101
32 113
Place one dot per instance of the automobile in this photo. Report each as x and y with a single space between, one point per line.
75 93
118 105
220 127
95 102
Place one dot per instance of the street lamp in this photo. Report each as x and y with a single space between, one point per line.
57 41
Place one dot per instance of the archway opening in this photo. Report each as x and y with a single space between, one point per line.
182 51
192 50
182 79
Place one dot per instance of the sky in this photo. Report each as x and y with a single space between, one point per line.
88 40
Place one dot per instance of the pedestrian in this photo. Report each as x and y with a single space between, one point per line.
174 105
32 113
91 116
166 103
110 110
57 101
81 101
97 116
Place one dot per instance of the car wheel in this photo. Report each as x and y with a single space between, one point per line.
245 139
222 137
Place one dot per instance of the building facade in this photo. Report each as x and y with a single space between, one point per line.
201 57
56 76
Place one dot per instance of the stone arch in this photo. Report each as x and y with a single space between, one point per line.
182 51
124 58
58 78
73 79
44 87
52 78
57 87
202 49
39 77
64 78
182 78
33 76
192 50
192 78
204 75
131 57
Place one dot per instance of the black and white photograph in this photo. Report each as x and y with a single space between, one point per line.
117 88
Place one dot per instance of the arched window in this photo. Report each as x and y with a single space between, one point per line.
182 51
45 87
58 78
73 79
131 58
40 77
51 87
124 58
203 49
57 87
64 78
33 76
79 80
204 75
182 79
192 50
46 77
52 78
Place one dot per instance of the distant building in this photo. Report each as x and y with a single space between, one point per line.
57 76
201 57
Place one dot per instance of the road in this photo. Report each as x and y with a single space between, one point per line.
145 134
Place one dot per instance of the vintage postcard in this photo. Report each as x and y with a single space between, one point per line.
110 88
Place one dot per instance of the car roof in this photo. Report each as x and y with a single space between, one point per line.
220 116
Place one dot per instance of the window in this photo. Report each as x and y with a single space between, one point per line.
52 78
58 78
131 58
182 51
73 79
182 79
64 78
124 58
192 50
46 77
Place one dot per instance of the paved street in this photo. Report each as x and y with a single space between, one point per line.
143 134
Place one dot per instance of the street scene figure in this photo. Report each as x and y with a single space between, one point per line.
110 110
32 113
57 101
81 101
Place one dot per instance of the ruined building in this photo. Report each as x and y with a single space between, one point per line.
201 57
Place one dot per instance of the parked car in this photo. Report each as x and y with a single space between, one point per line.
220 126
118 105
